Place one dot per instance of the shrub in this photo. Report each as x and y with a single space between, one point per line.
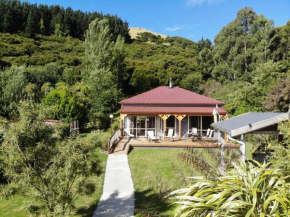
246 190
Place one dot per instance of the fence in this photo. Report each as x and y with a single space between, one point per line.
114 138
74 129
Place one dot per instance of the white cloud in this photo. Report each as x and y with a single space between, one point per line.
190 35
181 27
172 29
192 3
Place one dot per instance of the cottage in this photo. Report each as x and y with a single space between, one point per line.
168 107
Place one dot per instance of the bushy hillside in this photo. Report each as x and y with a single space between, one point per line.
152 64
148 65
40 50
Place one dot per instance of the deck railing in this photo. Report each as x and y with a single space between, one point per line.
114 138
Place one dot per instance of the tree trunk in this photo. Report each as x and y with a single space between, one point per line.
246 61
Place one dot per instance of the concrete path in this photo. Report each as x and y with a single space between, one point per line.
122 147
118 192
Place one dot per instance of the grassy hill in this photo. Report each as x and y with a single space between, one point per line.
134 31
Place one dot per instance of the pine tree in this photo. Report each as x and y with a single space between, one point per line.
42 28
6 24
29 28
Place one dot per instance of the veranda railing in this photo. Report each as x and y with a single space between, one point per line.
114 139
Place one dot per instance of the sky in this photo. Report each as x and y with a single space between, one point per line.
192 19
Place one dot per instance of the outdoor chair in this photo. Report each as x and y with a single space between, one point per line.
209 138
207 133
194 134
170 134
130 135
151 137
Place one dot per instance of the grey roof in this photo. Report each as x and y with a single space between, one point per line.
250 122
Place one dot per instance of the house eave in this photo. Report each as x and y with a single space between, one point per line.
252 128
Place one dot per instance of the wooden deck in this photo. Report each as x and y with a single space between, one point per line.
124 145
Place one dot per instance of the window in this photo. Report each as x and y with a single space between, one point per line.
194 122
202 123
150 122
139 125
207 121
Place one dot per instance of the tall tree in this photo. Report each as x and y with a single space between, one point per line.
103 66
42 27
205 58
29 28
262 32
282 45
233 48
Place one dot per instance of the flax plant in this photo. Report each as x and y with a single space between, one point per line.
247 190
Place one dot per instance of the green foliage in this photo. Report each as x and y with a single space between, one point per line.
70 76
149 37
48 167
17 16
12 84
103 68
151 65
21 83
281 44
246 190
281 152
68 103
242 44
30 25
192 82
243 96
41 50
279 98
57 30
205 58
50 73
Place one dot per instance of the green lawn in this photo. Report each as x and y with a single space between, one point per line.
85 205
155 170
160 170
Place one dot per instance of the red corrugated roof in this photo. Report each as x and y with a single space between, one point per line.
139 110
175 95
